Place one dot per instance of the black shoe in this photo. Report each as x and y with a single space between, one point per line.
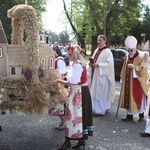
145 135
97 115
65 146
128 118
141 117
3 113
79 144
0 129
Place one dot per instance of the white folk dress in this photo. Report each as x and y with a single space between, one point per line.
60 65
73 113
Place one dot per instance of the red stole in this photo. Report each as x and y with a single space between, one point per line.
137 90
98 53
96 57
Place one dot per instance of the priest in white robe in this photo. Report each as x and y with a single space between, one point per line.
103 78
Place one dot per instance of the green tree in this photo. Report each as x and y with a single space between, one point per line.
115 18
64 38
146 23
142 26
77 21
5 5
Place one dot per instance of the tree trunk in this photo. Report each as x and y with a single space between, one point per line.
94 44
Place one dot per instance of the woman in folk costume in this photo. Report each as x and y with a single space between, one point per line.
134 90
103 80
78 113
60 65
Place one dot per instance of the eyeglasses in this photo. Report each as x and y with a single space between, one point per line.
130 50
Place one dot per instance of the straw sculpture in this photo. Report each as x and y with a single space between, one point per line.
40 92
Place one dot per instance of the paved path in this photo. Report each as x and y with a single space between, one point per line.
21 132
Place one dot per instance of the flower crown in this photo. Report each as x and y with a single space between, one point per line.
72 48
55 47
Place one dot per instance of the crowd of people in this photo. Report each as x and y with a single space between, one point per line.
97 97
87 101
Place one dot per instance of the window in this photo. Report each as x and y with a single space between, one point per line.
43 63
13 70
114 53
51 63
121 55
1 52
41 38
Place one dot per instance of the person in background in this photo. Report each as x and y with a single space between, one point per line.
146 55
147 128
2 113
78 113
134 90
146 46
102 80
60 65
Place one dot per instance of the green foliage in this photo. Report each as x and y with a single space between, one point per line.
143 26
5 5
87 18
120 17
64 38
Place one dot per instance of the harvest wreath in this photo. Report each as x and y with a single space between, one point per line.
39 92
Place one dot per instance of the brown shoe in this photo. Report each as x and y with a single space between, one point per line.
66 145
61 126
145 135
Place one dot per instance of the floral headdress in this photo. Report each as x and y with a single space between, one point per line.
72 48
55 47
76 49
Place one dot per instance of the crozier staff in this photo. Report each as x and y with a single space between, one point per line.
134 90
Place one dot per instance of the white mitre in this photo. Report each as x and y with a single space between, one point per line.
131 42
